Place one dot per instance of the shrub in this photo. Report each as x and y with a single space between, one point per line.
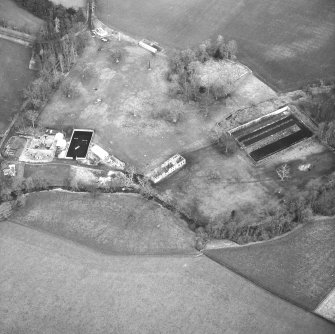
325 203
116 55
225 142
88 73
172 113
213 175
31 116
69 90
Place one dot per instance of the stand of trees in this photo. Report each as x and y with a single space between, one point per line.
48 11
223 140
59 43
183 64
320 106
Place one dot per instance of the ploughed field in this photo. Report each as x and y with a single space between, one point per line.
271 135
287 43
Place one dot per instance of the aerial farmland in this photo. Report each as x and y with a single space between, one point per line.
167 166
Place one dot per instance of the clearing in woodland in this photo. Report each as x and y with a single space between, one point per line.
287 43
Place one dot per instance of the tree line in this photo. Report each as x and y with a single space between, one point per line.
274 220
320 106
58 44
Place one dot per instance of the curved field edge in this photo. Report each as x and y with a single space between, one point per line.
111 223
50 285
298 267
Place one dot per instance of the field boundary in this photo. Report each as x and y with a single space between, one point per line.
123 254
319 309
251 281
17 37
10 126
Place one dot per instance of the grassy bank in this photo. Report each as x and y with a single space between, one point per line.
111 223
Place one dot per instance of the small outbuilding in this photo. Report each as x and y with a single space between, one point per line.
99 152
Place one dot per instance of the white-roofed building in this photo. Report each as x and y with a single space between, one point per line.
104 156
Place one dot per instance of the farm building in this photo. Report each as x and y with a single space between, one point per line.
270 134
60 141
153 47
100 32
106 158
170 166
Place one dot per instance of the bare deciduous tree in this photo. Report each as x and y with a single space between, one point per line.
283 172
32 115
224 140
232 49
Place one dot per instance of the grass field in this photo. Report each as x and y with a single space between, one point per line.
235 186
124 121
212 184
112 223
55 175
287 43
14 77
299 267
59 174
19 17
49 285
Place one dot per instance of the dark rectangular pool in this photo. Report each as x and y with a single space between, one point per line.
80 141
281 144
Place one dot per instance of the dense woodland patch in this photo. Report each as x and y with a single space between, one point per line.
48 11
